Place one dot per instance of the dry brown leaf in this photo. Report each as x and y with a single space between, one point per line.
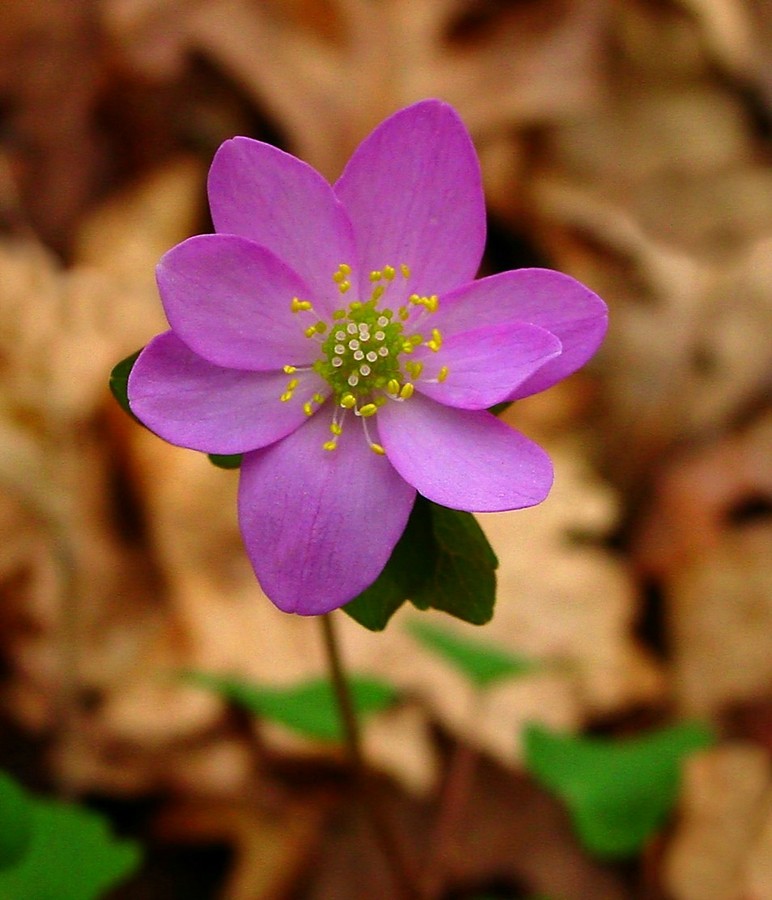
725 800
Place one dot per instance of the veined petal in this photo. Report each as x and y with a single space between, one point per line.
230 301
485 365
557 302
414 195
192 403
264 194
464 459
319 526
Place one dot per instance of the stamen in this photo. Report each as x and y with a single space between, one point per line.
369 409
405 270
376 275
336 428
414 368
442 374
393 387
347 401
330 445
389 273
300 305
436 342
289 369
376 448
407 391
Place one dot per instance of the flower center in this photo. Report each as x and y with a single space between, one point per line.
362 349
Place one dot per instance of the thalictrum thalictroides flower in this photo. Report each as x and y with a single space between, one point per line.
335 336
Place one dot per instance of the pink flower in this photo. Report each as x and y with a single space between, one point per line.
335 336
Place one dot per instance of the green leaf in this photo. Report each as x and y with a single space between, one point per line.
463 582
443 560
618 792
15 821
119 380
71 854
408 567
225 461
479 661
309 708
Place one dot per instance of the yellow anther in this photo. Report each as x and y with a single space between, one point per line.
414 368
436 342
403 312
317 398
414 299
432 303
348 401
300 305
336 428
345 268
293 383
339 314
407 391
344 286
407 347
393 387
369 409
376 448
289 370
405 270
287 395
310 331
389 272
416 339
442 374
378 292
376 275
308 409
329 445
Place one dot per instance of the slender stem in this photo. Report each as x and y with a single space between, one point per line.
402 866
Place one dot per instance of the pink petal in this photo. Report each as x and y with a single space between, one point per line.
486 364
414 194
461 458
557 302
319 526
261 193
229 300
190 402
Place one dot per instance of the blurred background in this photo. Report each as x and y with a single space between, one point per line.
626 142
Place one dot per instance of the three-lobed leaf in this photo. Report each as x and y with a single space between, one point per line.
481 662
309 708
66 851
618 792
443 561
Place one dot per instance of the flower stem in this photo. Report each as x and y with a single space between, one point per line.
402 866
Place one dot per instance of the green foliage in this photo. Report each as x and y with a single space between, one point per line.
65 852
309 708
480 662
225 461
618 792
442 561
15 821
119 381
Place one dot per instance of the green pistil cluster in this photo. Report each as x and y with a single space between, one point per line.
361 350
360 355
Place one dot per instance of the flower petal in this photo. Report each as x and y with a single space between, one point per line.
229 300
414 194
190 402
319 526
461 458
557 302
486 364
264 194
